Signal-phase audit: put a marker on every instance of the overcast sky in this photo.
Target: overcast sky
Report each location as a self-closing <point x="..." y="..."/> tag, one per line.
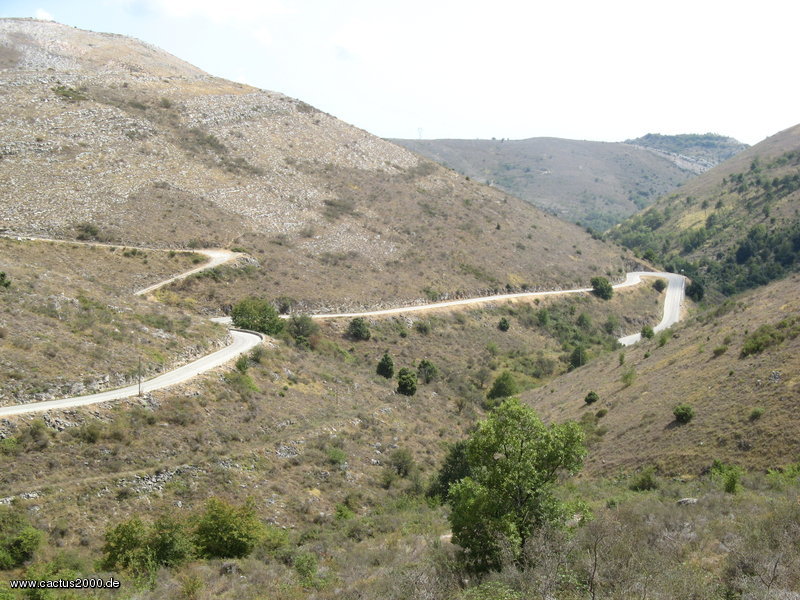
<point x="580" y="69"/>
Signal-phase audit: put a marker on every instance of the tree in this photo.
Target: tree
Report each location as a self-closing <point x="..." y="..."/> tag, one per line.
<point x="427" y="371"/>
<point x="302" y="328"/>
<point x="386" y="366"/>
<point x="257" y="314"/>
<point x="227" y="531"/>
<point x="19" y="540"/>
<point x="504" y="386"/>
<point x="514" y="461"/>
<point x="683" y="413"/>
<point x="591" y="398"/>
<point x="601" y="288"/>
<point x="454" y="468"/>
<point x="659" y="285"/>
<point x="647" y="332"/>
<point x="406" y="382"/>
<point x="4" y="281"/>
<point x="359" y="329"/>
<point x="503" y="325"/>
<point x="695" y="291"/>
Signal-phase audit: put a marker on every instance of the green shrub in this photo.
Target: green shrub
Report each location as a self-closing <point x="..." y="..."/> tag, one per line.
<point x="591" y="398"/>
<point x="227" y="531"/>
<point x="19" y="540"/>
<point x="407" y="382"/>
<point x="756" y="413"/>
<point x="683" y="413"/>
<point x="647" y="332"/>
<point x="644" y="481"/>
<point x="402" y="462"/>
<point x="5" y="282"/>
<point x="337" y="456"/>
<point x="359" y="329"/>
<point x="257" y="314"/>
<point x="303" y="330"/>
<point x="427" y="371"/>
<point x="385" y="366"/>
<point x="504" y="386"/>
<point x="720" y="350"/>
<point x="242" y="364"/>
<point x="628" y="376"/>
<point x="503" y="325"/>
<point x="602" y="288"/>
<point x="659" y="285"/>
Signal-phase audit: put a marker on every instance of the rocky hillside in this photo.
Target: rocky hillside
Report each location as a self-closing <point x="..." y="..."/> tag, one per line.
<point x="105" y="137"/>
<point x="734" y="227"/>
<point x="597" y="184"/>
<point x="694" y="152"/>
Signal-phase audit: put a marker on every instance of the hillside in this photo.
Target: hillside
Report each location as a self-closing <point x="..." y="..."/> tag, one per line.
<point x="105" y="137"/>
<point x="597" y="184"/>
<point x="733" y="227"/>
<point x="695" y="152"/>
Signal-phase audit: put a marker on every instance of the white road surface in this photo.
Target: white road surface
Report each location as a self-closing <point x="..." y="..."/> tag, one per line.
<point x="245" y="340"/>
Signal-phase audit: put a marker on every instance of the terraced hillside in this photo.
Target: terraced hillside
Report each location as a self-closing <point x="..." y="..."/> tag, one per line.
<point x="104" y="137"/>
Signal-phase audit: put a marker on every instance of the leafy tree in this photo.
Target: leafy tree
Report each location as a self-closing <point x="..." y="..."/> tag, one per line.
<point x="169" y="541"/>
<point x="601" y="288"/>
<point x="402" y="462"/>
<point x="302" y="328"/>
<point x="504" y="386"/>
<point x="359" y="329"/>
<point x="18" y="538"/>
<point x="515" y="461"/>
<point x="659" y="285"/>
<point x="591" y="398"/>
<point x="647" y="332"/>
<point x="407" y="382"/>
<point x="257" y="314"/>
<point x="227" y="531"/>
<point x="503" y="325"/>
<point x="125" y="546"/>
<point x="427" y="371"/>
<point x="4" y="281"/>
<point x="386" y="366"/>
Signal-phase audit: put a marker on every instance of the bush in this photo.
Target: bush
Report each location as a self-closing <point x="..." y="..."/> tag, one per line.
<point x="579" y="357"/>
<point x="385" y="366"/>
<point x="644" y="481"/>
<point x="19" y="540"/>
<point x="427" y="371"/>
<point x="601" y="288"/>
<point x="591" y="398"/>
<point x="504" y="386"/>
<point x="695" y="291"/>
<point x="257" y="314"/>
<point x="647" y="332"/>
<point x="720" y="350"/>
<point x="406" y="382"/>
<point x="4" y="281"/>
<point x="227" y="531"/>
<point x="402" y="462"/>
<point x="503" y="325"/>
<point x="359" y="329"/>
<point x="683" y="413"/>
<point x="628" y="376"/>
<point x="659" y="285"/>
<point x="756" y="413"/>
<point x="302" y="328"/>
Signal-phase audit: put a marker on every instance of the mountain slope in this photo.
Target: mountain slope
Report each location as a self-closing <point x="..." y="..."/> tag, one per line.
<point x="735" y="226"/>
<point x="594" y="183"/>
<point x="105" y="137"/>
<point x="744" y="393"/>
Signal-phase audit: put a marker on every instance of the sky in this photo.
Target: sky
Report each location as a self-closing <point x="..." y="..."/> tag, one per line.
<point x="605" y="70"/>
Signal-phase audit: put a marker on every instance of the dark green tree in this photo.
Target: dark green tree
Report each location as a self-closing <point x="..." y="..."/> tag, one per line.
<point x="359" y="329"/>
<point x="454" y="468"/>
<point x="591" y="398"/>
<point x="659" y="285"/>
<point x="427" y="371"/>
<point x="695" y="291"/>
<point x="504" y="386"/>
<point x="503" y="325"/>
<point x="18" y="538"/>
<point x="579" y="357"/>
<point x="515" y="461"/>
<point x="601" y="288"/>
<point x="386" y="366"/>
<point x="4" y="281"/>
<point x="257" y="314"/>
<point x="407" y="382"/>
<point x="683" y="413"/>
<point x="302" y="328"/>
<point x="647" y="332"/>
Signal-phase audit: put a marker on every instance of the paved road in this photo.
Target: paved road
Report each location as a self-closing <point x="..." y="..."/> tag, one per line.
<point x="242" y="342"/>
<point x="245" y="340"/>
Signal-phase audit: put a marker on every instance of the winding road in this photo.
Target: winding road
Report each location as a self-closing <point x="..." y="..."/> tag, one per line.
<point x="243" y="341"/>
